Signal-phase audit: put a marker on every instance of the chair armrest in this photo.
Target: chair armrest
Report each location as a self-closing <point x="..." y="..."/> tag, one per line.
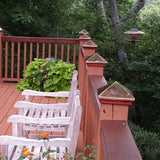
<point x="49" y="94"/>
<point x="20" y="141"/>
<point x="24" y="119"/>
<point x="26" y="104"/>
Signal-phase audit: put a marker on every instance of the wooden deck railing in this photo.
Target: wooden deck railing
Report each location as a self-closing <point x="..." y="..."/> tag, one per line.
<point x="17" y="52"/>
<point x="100" y="112"/>
<point x="105" y="115"/>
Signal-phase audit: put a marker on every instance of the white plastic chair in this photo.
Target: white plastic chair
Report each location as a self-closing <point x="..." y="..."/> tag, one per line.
<point x="31" y="115"/>
<point x="11" y="147"/>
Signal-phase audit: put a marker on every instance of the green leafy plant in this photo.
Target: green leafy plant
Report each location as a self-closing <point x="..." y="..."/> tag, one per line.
<point x="47" y="75"/>
<point x="91" y="150"/>
<point x="148" y="142"/>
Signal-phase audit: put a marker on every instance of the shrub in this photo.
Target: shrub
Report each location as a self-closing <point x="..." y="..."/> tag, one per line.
<point x="148" y="142"/>
<point x="47" y="75"/>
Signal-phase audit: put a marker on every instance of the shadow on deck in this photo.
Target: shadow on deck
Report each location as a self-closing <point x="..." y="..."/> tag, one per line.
<point x="9" y="96"/>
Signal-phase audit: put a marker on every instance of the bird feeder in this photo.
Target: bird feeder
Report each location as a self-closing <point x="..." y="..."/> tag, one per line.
<point x="134" y="33"/>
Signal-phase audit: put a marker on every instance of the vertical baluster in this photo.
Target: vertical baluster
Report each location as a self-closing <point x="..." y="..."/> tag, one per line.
<point x="49" y="50"/>
<point x="43" y="51"/>
<point x="74" y="54"/>
<point x="31" y="44"/>
<point x="62" y="51"/>
<point x="18" y="61"/>
<point x="6" y="59"/>
<point x="55" y="52"/>
<point x="25" y="50"/>
<point x="68" y="49"/>
<point x="37" y="55"/>
<point x="1" y="31"/>
<point x="12" y="60"/>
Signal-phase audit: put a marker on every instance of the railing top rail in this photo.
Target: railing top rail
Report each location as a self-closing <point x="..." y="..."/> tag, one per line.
<point x="40" y="39"/>
<point x="117" y="138"/>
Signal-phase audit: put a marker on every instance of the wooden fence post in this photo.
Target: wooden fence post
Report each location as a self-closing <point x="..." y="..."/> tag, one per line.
<point x="94" y="65"/>
<point x="1" y="32"/>
<point x="115" y="101"/>
<point x="81" y="70"/>
<point x="114" y="104"/>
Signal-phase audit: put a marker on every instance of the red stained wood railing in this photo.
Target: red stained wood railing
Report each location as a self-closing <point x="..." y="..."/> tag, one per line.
<point x="6" y="59"/>
<point x="107" y="133"/>
<point x="12" y="60"/>
<point x="16" y="52"/>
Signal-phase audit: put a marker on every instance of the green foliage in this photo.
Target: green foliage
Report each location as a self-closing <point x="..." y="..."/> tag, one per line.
<point x="143" y="75"/>
<point x="91" y="150"/>
<point x="142" y="72"/>
<point x="47" y="75"/>
<point x="148" y="142"/>
<point x="33" y="17"/>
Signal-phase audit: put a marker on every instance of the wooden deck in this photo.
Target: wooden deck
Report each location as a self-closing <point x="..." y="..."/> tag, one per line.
<point x="9" y="96"/>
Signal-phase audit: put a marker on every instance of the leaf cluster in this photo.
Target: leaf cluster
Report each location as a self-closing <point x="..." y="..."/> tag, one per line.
<point x="148" y="142"/>
<point x="47" y="75"/>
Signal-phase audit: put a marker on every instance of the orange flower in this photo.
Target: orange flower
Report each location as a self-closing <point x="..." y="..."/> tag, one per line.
<point x="27" y="153"/>
<point x="93" y="156"/>
<point x="44" y="76"/>
<point x="65" y="156"/>
<point x="25" y="149"/>
<point x="44" y="85"/>
<point x="44" y="135"/>
<point x="41" y="71"/>
<point x="48" y="156"/>
<point x="47" y="68"/>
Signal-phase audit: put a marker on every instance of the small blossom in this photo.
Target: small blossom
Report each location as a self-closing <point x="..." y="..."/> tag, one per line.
<point x="44" y="64"/>
<point x="93" y="156"/>
<point x="41" y="71"/>
<point x="65" y="156"/>
<point x="29" y="75"/>
<point x="44" y="85"/>
<point x="44" y="135"/>
<point x="44" y="76"/>
<point x="33" y="81"/>
<point x="48" y="156"/>
<point x="27" y="153"/>
<point x="47" y="68"/>
<point x="33" y="73"/>
<point x="25" y="149"/>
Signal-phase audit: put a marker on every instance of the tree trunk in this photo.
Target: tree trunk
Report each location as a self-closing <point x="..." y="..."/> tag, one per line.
<point x="116" y="23"/>
<point x="137" y="6"/>
<point x="113" y="14"/>
<point x="100" y="7"/>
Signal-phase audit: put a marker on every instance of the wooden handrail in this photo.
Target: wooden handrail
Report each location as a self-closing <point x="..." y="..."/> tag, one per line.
<point x="117" y="138"/>
<point x="40" y="39"/>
